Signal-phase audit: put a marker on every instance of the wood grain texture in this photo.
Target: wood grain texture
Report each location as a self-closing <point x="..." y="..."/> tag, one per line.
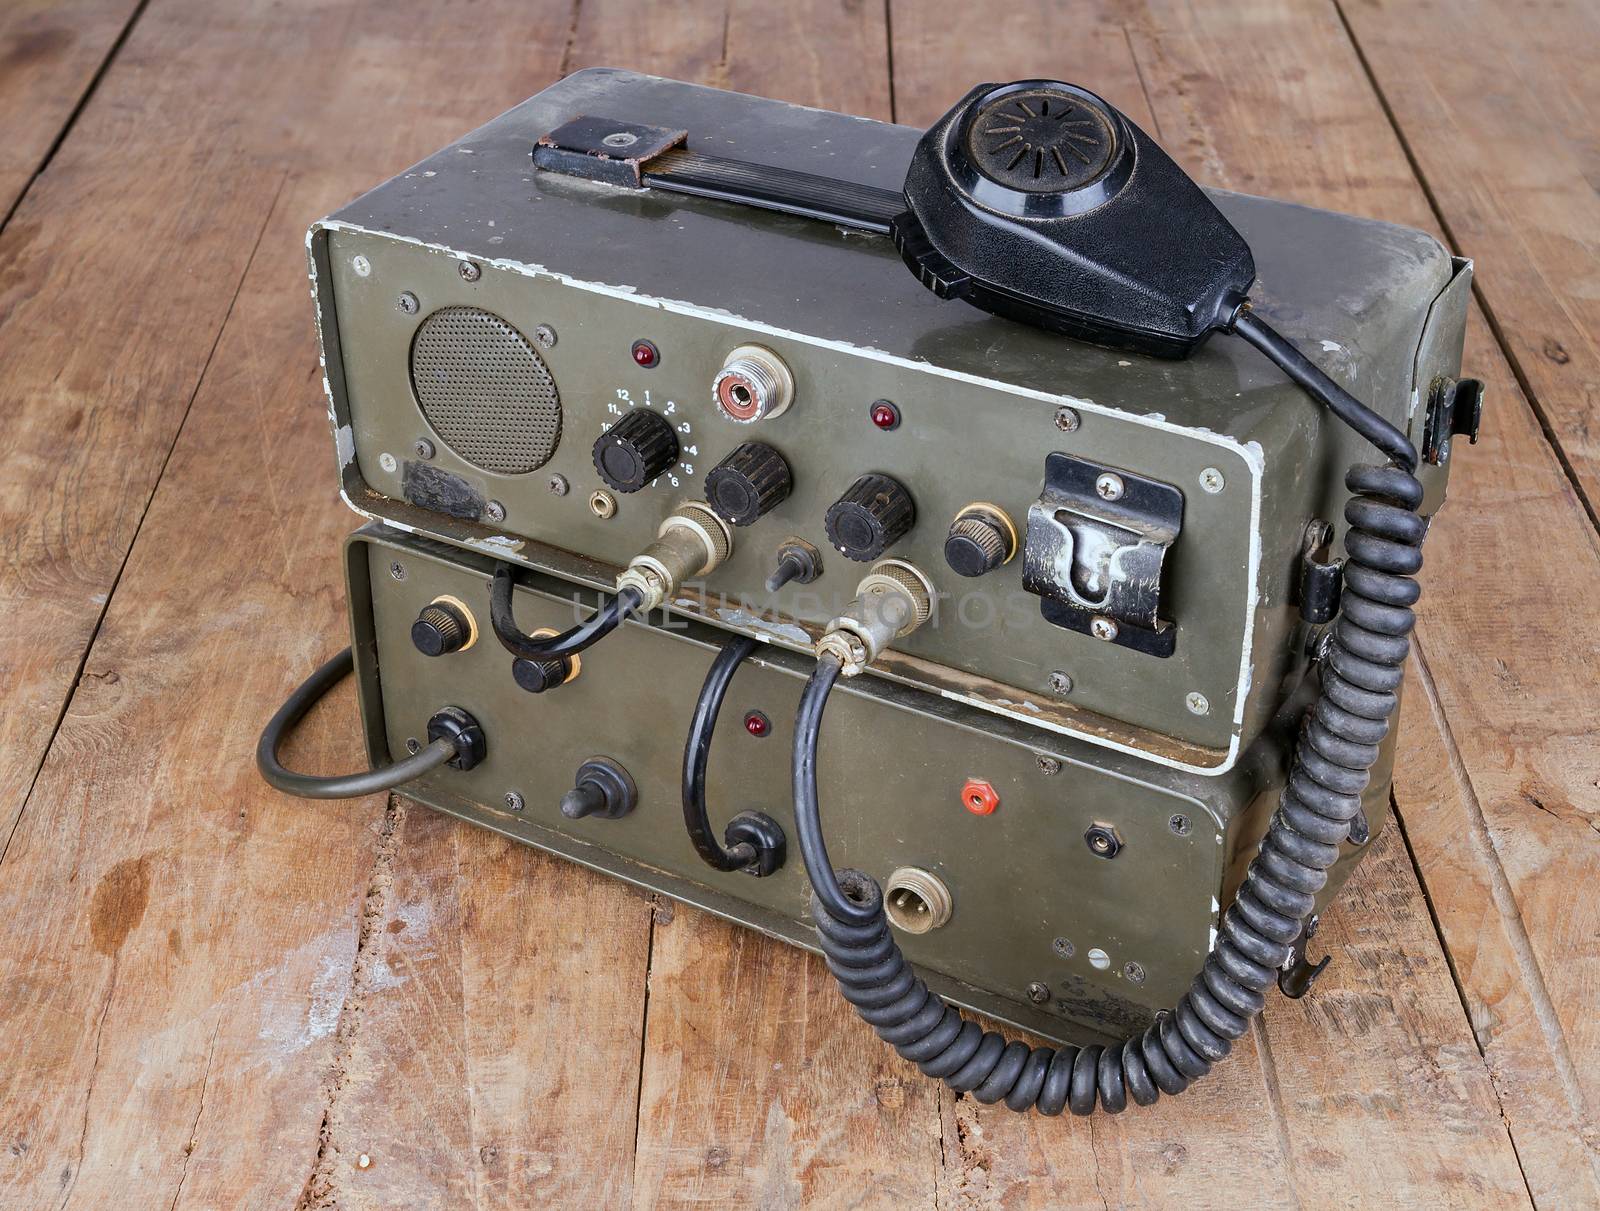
<point x="50" y="52"/>
<point x="1500" y="120"/>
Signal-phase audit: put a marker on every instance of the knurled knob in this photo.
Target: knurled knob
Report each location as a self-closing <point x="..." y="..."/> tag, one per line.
<point x="635" y="450"/>
<point x="978" y="542"/>
<point x="873" y="514"/>
<point x="439" y="629"/>
<point x="751" y="481"/>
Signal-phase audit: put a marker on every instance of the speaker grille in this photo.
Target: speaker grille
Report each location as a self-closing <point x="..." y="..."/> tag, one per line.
<point x="485" y="390"/>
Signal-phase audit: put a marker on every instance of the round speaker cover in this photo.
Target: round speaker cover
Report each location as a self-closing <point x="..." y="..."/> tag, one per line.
<point x="485" y="390"/>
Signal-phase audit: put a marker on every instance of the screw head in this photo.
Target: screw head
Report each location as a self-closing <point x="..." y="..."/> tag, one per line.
<point x="558" y="485"/>
<point x="1196" y="702"/>
<point x="407" y="302"/>
<point x="1179" y="824"/>
<point x="1063" y="947"/>
<point x="1102" y="627"/>
<point x="361" y="265"/>
<point x="494" y="511"/>
<point x="1133" y="972"/>
<point x="1060" y="683"/>
<point x="397" y="570"/>
<point x="1038" y="993"/>
<point x="424" y="448"/>
<point x="621" y="138"/>
<point x="544" y="336"/>
<point x="1211" y="480"/>
<point x="1049" y="766"/>
<point x="388" y="462"/>
<point x="1067" y="420"/>
<point x="413" y="745"/>
<point x="469" y="271"/>
<point x="514" y="801"/>
<point x="1108" y="486"/>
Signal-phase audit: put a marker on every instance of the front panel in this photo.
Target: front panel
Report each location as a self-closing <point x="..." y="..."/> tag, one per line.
<point x="1109" y="939"/>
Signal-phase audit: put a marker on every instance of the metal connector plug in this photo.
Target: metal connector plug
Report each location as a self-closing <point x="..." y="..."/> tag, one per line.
<point x="893" y="599"/>
<point x="690" y="543"/>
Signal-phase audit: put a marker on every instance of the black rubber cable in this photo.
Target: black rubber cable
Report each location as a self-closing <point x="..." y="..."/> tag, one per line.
<point x="1315" y="382"/>
<point x="1361" y="673"/>
<point x="570" y="642"/>
<point x="336" y="786"/>
<point x="697" y="756"/>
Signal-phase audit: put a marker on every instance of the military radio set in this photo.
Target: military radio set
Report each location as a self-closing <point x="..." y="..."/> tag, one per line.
<point x="1056" y="646"/>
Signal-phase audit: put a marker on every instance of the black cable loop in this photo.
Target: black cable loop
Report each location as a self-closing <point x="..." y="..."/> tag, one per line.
<point x="740" y="855"/>
<point x="571" y="641"/>
<point x="1361" y="672"/>
<point x="337" y="786"/>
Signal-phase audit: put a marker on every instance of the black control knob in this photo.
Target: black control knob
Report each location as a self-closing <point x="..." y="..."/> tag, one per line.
<point x="979" y="541"/>
<point x="602" y="788"/>
<point x="537" y="676"/>
<point x="439" y="629"/>
<point x="751" y="481"/>
<point x="635" y="450"/>
<point x="874" y="513"/>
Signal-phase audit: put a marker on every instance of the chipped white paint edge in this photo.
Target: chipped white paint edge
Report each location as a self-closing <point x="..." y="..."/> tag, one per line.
<point x="1249" y="452"/>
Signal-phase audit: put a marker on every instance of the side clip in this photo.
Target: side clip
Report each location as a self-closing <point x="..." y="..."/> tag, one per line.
<point x="1097" y="539"/>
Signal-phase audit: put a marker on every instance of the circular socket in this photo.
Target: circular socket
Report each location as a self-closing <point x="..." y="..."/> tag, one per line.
<point x="917" y="901"/>
<point x="753" y="384"/>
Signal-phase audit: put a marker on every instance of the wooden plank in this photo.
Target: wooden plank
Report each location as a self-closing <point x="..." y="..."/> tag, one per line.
<point x="1314" y="1106"/>
<point x="1310" y="132"/>
<point x="50" y="53"/>
<point x="1500" y="118"/>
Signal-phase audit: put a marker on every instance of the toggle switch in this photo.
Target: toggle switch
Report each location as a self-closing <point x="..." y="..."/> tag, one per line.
<point x="602" y="788"/>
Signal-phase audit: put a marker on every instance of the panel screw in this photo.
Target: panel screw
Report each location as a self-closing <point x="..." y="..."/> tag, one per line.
<point x="1060" y="683"/>
<point x="1067" y="420"/>
<point x="413" y="745"/>
<point x="514" y="801"/>
<point x="1179" y="824"/>
<point x="1049" y="765"/>
<point x="387" y="462"/>
<point x="468" y="271"/>
<point x="1134" y="972"/>
<point x="1196" y="702"/>
<point x="407" y="302"/>
<point x="1211" y="480"/>
<point x="424" y="448"/>
<point x="558" y="485"/>
<point x="1102" y="627"/>
<point x="1038" y="993"/>
<point x="620" y="138"/>
<point x="1063" y="947"/>
<point x="545" y="336"/>
<point x="361" y="265"/>
<point x="1108" y="486"/>
<point x="397" y="570"/>
<point x="494" y="511"/>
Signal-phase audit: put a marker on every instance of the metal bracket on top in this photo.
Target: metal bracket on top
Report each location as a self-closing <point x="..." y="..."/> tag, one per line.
<point x="1097" y="539"/>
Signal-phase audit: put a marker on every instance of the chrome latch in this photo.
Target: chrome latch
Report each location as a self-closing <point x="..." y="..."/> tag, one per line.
<point x="1097" y="538"/>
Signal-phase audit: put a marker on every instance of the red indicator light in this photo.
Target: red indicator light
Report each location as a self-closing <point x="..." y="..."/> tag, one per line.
<point x="885" y="415"/>
<point x="645" y="354"/>
<point x="757" y="724"/>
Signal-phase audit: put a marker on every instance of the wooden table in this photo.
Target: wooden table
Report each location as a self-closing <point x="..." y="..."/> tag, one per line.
<point x="214" y="996"/>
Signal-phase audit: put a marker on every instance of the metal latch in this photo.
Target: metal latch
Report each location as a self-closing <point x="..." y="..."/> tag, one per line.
<point x="1097" y="539"/>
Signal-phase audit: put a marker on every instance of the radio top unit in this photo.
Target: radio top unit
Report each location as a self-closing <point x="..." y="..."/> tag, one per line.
<point x="653" y="338"/>
<point x="527" y="357"/>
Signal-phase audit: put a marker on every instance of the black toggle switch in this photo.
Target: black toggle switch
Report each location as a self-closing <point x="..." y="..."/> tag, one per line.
<point x="602" y="788"/>
<point x="440" y="628"/>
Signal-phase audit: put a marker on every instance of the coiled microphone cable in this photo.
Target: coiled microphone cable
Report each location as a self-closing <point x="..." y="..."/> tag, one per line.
<point x="1362" y="668"/>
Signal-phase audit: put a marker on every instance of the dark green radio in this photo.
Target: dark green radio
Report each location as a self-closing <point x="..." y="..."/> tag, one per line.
<point x="660" y="444"/>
